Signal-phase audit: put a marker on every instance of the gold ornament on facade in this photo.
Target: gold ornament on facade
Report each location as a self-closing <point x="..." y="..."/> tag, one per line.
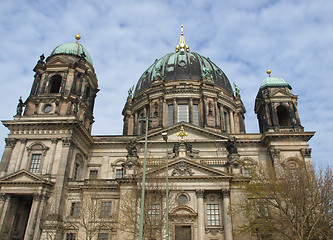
<point x="182" y="134"/>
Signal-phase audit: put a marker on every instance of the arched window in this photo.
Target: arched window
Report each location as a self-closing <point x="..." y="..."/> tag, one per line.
<point x="55" y="83"/>
<point x="283" y="115"/>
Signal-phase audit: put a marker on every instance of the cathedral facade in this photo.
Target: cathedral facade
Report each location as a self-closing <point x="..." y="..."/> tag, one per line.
<point x="183" y="125"/>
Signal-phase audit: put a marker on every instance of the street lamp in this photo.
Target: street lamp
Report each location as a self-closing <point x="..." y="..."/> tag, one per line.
<point x="165" y="138"/>
<point x="147" y="119"/>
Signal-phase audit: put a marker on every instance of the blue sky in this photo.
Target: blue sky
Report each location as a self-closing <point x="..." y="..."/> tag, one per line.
<point x="244" y="38"/>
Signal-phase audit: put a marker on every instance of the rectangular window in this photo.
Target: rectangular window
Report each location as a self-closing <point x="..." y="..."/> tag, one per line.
<point x="213" y="215"/>
<point x="103" y="236"/>
<point x="70" y="236"/>
<point x="105" y="209"/>
<point x="119" y="173"/>
<point x="93" y="174"/>
<point x="35" y="163"/>
<point x="154" y="214"/>
<point x="170" y="114"/>
<point x="183" y="112"/>
<point x="195" y="114"/>
<point x="75" y="209"/>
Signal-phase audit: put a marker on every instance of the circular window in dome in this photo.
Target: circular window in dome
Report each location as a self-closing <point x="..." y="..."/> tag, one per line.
<point x="182" y="63"/>
<point x="182" y="199"/>
<point x="47" y="108"/>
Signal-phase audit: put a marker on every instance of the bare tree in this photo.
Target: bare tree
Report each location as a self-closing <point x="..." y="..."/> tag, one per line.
<point x="89" y="217"/>
<point x="154" y="206"/>
<point x="294" y="203"/>
<point x="94" y="217"/>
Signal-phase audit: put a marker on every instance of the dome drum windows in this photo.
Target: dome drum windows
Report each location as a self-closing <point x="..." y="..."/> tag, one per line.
<point x="185" y="111"/>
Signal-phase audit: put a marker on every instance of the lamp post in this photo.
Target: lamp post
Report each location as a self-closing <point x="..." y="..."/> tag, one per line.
<point x="165" y="138"/>
<point x="147" y="119"/>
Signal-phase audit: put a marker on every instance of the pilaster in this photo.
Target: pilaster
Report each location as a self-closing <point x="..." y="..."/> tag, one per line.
<point x="10" y="144"/>
<point x="226" y="216"/>
<point x="201" y="214"/>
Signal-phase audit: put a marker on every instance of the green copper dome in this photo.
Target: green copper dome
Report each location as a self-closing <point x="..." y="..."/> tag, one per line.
<point x="72" y="49"/>
<point x="180" y="66"/>
<point x="274" y="82"/>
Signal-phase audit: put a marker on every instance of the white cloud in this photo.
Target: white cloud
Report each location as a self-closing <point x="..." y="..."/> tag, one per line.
<point x="244" y="38"/>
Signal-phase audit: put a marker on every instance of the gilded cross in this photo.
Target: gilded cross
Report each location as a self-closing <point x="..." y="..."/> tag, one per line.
<point x="182" y="134"/>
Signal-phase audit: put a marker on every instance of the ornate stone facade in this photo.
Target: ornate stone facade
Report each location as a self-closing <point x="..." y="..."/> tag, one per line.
<point x="51" y="162"/>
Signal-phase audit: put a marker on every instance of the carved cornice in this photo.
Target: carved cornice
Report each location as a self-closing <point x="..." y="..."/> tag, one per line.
<point x="200" y="193"/>
<point x="214" y="231"/>
<point x="226" y="193"/>
<point x="67" y="142"/>
<point x="306" y="152"/>
<point x="274" y="153"/>
<point x="10" y="142"/>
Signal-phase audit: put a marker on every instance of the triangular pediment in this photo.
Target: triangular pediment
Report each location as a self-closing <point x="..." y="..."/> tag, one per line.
<point x="187" y="169"/>
<point x="23" y="177"/>
<point x="281" y="93"/>
<point x="194" y="134"/>
<point x="57" y="61"/>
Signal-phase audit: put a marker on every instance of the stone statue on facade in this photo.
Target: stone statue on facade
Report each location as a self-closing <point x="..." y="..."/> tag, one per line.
<point x="231" y="146"/>
<point x="19" y="108"/>
<point x="131" y="149"/>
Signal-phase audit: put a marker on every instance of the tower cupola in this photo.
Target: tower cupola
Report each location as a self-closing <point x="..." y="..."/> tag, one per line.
<point x="64" y="85"/>
<point x="276" y="106"/>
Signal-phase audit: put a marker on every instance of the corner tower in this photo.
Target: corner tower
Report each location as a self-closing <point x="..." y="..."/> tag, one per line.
<point x="276" y="106"/>
<point x="64" y="85"/>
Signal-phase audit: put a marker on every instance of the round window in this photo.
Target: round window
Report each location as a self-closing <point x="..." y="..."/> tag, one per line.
<point x="182" y="199"/>
<point x="47" y="108"/>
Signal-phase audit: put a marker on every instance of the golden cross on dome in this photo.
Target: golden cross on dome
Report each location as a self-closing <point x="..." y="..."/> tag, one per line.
<point x="182" y="46"/>
<point x="182" y="134"/>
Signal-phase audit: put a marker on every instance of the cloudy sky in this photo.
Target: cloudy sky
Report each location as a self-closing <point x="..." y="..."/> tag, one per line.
<point x="124" y="37"/>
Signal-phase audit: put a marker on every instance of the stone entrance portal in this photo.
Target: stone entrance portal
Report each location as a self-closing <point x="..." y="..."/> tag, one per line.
<point x="17" y="217"/>
<point x="183" y="233"/>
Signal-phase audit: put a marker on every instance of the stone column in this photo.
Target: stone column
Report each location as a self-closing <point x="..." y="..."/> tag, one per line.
<point x="204" y="111"/>
<point x="4" y="208"/>
<point x="232" y="123"/>
<point x="175" y="111"/>
<point x="10" y="144"/>
<point x="222" y="118"/>
<point x="62" y="175"/>
<point x="190" y="110"/>
<point x="226" y="216"/>
<point x="201" y="214"/>
<point x="6" y="204"/>
<point x="51" y="159"/>
<point x="160" y="111"/>
<point x="216" y="113"/>
<point x="19" y="159"/>
<point x="39" y="216"/>
<point x="135" y="123"/>
<point x="31" y="225"/>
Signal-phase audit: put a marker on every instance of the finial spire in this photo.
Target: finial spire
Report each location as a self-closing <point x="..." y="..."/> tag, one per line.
<point x="77" y="37"/>
<point x="182" y="45"/>
<point x="269" y="72"/>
